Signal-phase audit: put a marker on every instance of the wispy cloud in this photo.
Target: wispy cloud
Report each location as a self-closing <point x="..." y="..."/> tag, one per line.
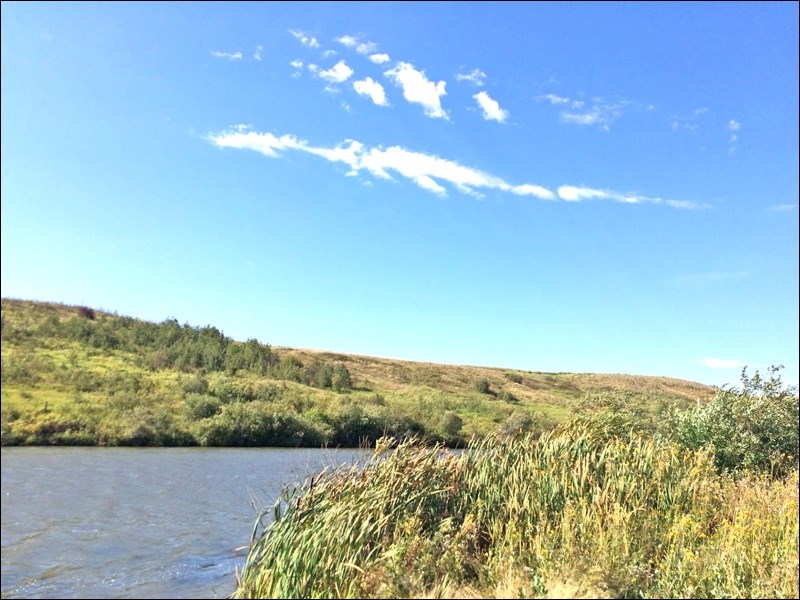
<point x="783" y="207"/>
<point x="598" y="111"/>
<point x="427" y="171"/>
<point x="689" y="123"/>
<point x="576" y="194"/>
<point x="475" y="77"/>
<point x="227" y="55"/>
<point x="417" y="88"/>
<point x="554" y="99"/>
<point x="491" y="108"/>
<point x="733" y="126"/>
<point x="298" y="66"/>
<point x="372" y="89"/>
<point x="570" y="193"/>
<point x="601" y="113"/>
<point x="379" y="59"/>
<point x="723" y="363"/>
<point x="257" y="54"/>
<point x="305" y="38"/>
<point x="338" y="73"/>
<point x="359" y="46"/>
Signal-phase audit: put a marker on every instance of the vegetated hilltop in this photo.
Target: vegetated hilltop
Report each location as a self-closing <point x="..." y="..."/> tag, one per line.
<point x="75" y="375"/>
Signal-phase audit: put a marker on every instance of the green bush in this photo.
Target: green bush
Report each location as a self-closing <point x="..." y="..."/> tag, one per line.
<point x="754" y="428"/>
<point x="200" y="406"/>
<point x="341" y="381"/>
<point x="482" y="385"/>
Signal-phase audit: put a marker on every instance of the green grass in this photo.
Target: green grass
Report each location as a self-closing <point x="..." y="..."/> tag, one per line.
<point x="112" y="380"/>
<point x="577" y="513"/>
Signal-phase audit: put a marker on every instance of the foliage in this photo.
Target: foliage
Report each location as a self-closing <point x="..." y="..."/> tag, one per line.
<point x="115" y="380"/>
<point x="613" y="517"/>
<point x="482" y="385"/>
<point x="752" y="428"/>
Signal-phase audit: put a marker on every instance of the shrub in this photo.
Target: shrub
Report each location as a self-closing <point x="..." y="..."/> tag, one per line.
<point x="482" y="385"/>
<point x="515" y="377"/>
<point x="341" y="381"/>
<point x="507" y="396"/>
<point x="200" y="406"/>
<point x="86" y="312"/>
<point x="753" y="428"/>
<point x="519" y="422"/>
<point x="195" y="384"/>
<point x="451" y="425"/>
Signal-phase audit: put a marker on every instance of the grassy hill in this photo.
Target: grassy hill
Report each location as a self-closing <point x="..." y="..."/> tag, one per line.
<point x="75" y="375"/>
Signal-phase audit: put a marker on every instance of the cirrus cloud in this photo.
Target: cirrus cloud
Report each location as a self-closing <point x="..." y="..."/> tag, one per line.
<point x="429" y="172"/>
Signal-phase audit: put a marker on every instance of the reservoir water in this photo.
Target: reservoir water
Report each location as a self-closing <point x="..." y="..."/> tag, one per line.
<point x="139" y="522"/>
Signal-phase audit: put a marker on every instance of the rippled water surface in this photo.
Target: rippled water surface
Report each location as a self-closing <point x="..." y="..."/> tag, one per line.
<point x="138" y="523"/>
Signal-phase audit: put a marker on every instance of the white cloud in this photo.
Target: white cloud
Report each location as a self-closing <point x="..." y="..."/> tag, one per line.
<point x="347" y="40"/>
<point x="428" y="171"/>
<point x="533" y="190"/>
<point x="339" y="73"/>
<point x="576" y="194"/>
<point x="782" y="207"/>
<point x="329" y="53"/>
<point x="366" y="47"/>
<point x="571" y="193"/>
<point x="553" y="99"/>
<point x="353" y="42"/>
<point x="589" y="118"/>
<point x="373" y="89"/>
<point x="476" y="77"/>
<point x="491" y="108"/>
<point x="686" y="204"/>
<point x="734" y="125"/>
<point x="734" y="137"/>
<point x="305" y="39"/>
<point x="379" y="59"/>
<point x="417" y="88"/>
<point x="690" y="123"/>
<point x="602" y="113"/>
<point x="226" y="55"/>
<point x="257" y="54"/>
<point x="298" y="66"/>
<point x="723" y="363"/>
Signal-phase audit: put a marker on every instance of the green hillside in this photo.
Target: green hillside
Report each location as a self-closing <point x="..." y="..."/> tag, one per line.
<point x="75" y="375"/>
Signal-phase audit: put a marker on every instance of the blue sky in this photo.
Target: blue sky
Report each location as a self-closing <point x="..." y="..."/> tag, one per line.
<point x="554" y="187"/>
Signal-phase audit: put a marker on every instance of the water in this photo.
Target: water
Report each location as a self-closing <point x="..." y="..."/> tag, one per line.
<point x="138" y="523"/>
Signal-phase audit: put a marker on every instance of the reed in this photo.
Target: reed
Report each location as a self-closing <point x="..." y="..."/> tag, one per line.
<point x="572" y="510"/>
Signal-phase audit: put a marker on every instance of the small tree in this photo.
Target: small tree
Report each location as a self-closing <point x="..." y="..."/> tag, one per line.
<point x="341" y="380"/>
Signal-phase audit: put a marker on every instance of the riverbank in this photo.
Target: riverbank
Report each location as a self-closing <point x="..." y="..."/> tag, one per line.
<point x="576" y="513"/>
<point x="73" y="375"/>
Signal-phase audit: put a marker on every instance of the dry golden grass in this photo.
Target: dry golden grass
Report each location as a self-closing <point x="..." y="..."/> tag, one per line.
<point x="536" y="387"/>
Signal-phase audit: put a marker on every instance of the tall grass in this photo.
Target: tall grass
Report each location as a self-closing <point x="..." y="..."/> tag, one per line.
<point x="573" y="510"/>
